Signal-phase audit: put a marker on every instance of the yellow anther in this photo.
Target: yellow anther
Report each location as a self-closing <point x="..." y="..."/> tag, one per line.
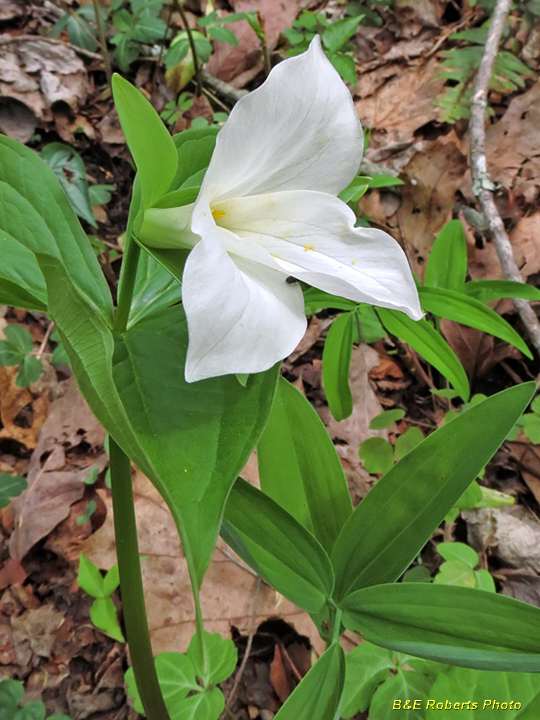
<point x="309" y="247"/>
<point x="218" y="214"/>
<point x="353" y="262"/>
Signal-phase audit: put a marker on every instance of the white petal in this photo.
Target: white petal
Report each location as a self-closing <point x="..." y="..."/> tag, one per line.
<point x="312" y="236"/>
<point x="242" y="318"/>
<point x="298" y="131"/>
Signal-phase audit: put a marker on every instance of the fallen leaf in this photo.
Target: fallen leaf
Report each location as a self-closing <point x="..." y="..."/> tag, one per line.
<point x="227" y="590"/>
<point x="404" y="103"/>
<point x="14" y="401"/>
<point x="57" y="468"/>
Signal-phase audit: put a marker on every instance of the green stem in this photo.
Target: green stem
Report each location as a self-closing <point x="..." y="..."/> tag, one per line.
<point x="131" y="585"/>
<point x="335" y="624"/>
<point x="127" y="282"/>
<point x="103" y="42"/>
<point x="198" y="78"/>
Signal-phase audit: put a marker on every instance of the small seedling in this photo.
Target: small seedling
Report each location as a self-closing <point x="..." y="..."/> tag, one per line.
<point x="103" y="611"/>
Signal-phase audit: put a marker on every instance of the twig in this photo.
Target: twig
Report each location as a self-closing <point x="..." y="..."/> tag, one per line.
<point x="45" y="340"/>
<point x="227" y="92"/>
<point x="482" y="185"/>
<point x="198" y="79"/>
<point x="8" y="40"/>
<point x="252" y="627"/>
<point x="103" y="42"/>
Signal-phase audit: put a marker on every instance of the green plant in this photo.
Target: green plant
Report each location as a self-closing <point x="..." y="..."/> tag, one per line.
<point x="136" y="23"/>
<point x="335" y="38"/>
<point x="460" y="67"/>
<point x="11" y="486"/>
<point x="103" y="611"/>
<point x="187" y="391"/>
<point x="18" y="349"/>
<point x="11" y="707"/>
<point x="80" y="26"/>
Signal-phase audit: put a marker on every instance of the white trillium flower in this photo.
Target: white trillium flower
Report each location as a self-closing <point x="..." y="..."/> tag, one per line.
<point x="267" y="210"/>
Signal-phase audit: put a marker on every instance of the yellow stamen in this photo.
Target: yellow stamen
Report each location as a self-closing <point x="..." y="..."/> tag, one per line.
<point x="353" y="262"/>
<point x="309" y="247"/>
<point x="218" y="214"/>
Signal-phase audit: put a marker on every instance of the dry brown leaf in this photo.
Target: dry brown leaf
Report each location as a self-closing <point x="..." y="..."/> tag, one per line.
<point x="513" y="145"/>
<point x="240" y="64"/>
<point x="13" y="403"/>
<point x="403" y="103"/>
<point x="57" y="468"/>
<point x="227" y="591"/>
<point x="434" y="175"/>
<point x="38" y="74"/>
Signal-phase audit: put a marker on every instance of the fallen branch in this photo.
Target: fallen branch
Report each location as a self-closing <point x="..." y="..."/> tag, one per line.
<point x="482" y="185"/>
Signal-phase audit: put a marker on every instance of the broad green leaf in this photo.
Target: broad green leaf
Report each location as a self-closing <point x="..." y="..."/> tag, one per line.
<point x="299" y="466"/>
<point x="383" y="181"/>
<point x="398" y="695"/>
<point x="196" y="448"/>
<point x="455" y="625"/>
<point x="486" y="290"/>
<point x="111" y="581"/>
<point x="103" y="615"/>
<point x="149" y="409"/>
<point x="21" y="337"/>
<point x="222" y="34"/>
<point x="317" y="300"/>
<point x="194" y="149"/>
<point x="319" y="695"/>
<point x="29" y="371"/>
<point x="455" y="572"/>
<point x="386" y="419"/>
<point x="427" y="342"/>
<point x="472" y="693"/>
<point x="154" y="289"/>
<point x="399" y="514"/>
<point x="221" y="654"/>
<point x="36" y="216"/>
<point x="338" y="32"/>
<point x="34" y="710"/>
<point x="90" y="578"/>
<point x="371" y="329"/>
<point x="484" y="580"/>
<point x="346" y="66"/>
<point x="337" y="355"/>
<point x="269" y="533"/>
<point x="410" y="439"/>
<point x="447" y="263"/>
<point x="68" y="166"/>
<point x="464" y="309"/>
<point x="10" y="354"/>
<point x="11" y="695"/>
<point x="377" y="454"/>
<point x="150" y="144"/>
<point x="10" y="486"/>
<point x="365" y="667"/>
<point x="458" y="551"/>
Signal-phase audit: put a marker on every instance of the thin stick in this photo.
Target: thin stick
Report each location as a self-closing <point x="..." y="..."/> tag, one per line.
<point x="198" y="79"/>
<point x="21" y="39"/>
<point x="229" y="93"/>
<point x="103" y="42"/>
<point x="45" y="340"/>
<point x="252" y="627"/>
<point x="482" y="185"/>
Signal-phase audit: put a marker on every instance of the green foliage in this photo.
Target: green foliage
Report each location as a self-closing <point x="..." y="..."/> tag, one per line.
<point x="11" y="486"/>
<point x="103" y="611"/>
<point x="459" y="567"/>
<point x="529" y="423"/>
<point x="179" y="675"/>
<point x="136" y="24"/>
<point x="335" y="38"/>
<point x="80" y="26"/>
<point x="17" y="350"/>
<point x="460" y="67"/>
<point x="11" y="707"/>
<point x="337" y="356"/>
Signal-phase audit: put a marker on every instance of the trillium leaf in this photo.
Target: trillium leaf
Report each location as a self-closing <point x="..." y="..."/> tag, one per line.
<point x="447" y="263"/>
<point x="456" y="625"/>
<point x="427" y="342"/>
<point x="299" y="467"/>
<point x="397" y="517"/>
<point x="367" y="665"/>
<point x="150" y="144"/>
<point x="155" y="289"/>
<point x="319" y="694"/>
<point x="35" y="217"/>
<point x="486" y="290"/>
<point x="221" y="655"/>
<point x="460" y="308"/>
<point x="254" y="522"/>
<point x="337" y="356"/>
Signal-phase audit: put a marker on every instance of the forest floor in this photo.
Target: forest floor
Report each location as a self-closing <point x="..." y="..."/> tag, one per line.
<point x="52" y="92"/>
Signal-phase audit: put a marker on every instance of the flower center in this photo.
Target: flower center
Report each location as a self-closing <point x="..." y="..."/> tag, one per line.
<point x="218" y="214"/>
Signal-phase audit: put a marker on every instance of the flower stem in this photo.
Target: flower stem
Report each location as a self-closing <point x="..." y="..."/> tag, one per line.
<point x="131" y="586"/>
<point x="102" y="42"/>
<point x="127" y="282"/>
<point x="198" y="78"/>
